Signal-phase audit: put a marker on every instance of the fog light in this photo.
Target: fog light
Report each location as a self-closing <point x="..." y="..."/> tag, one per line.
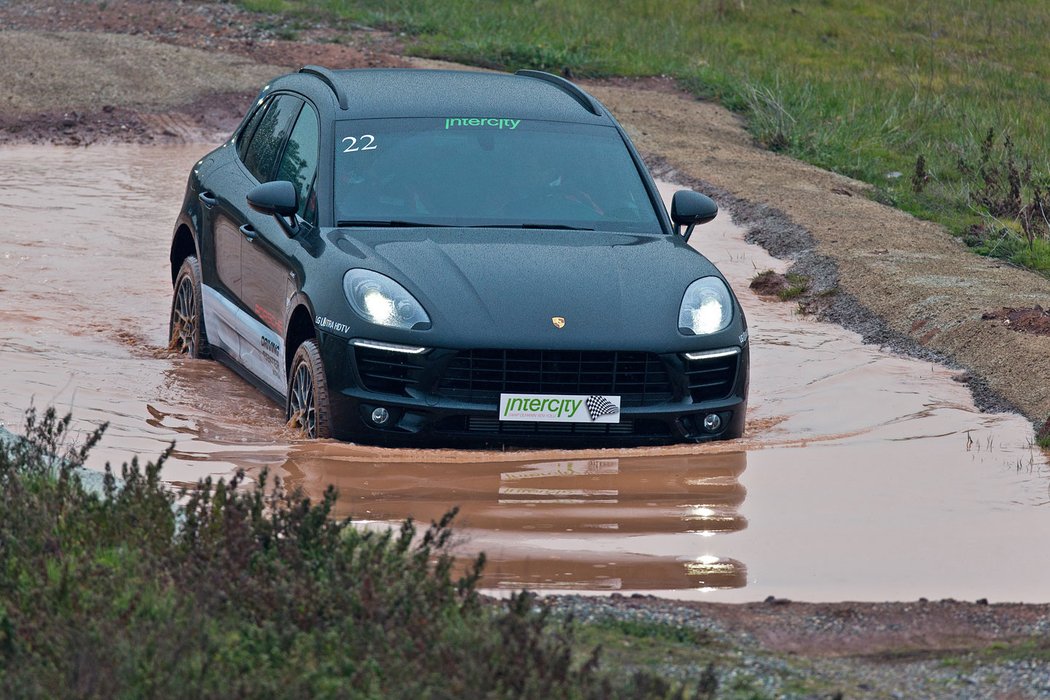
<point x="380" y="416"/>
<point x="712" y="422"/>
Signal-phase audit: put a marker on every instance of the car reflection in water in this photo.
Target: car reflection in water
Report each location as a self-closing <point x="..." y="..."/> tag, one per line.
<point x="629" y="523"/>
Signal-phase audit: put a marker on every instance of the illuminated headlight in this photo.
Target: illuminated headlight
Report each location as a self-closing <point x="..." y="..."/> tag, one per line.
<point x="706" y="307"/>
<point x="381" y="300"/>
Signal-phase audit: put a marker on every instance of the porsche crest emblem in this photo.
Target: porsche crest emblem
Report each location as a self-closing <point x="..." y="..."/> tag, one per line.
<point x="558" y="321"/>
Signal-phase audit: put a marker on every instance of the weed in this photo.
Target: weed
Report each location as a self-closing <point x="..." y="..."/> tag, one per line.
<point x="798" y="285"/>
<point x="1042" y="437"/>
<point x="650" y="630"/>
<point x="786" y="287"/>
<point x="771" y="122"/>
<point x="920" y="177"/>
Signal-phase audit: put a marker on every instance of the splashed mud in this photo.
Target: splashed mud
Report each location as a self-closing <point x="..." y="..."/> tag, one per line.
<point x="863" y="476"/>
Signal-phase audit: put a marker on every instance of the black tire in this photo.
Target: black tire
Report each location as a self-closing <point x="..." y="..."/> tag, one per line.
<point x="186" y="332"/>
<point x="308" y="408"/>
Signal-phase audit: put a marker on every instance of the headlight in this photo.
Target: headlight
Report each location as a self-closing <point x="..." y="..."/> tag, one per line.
<point x="381" y="300"/>
<point x="707" y="307"/>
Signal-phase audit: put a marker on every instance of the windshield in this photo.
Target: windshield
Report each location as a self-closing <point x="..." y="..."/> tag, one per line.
<point x="482" y="171"/>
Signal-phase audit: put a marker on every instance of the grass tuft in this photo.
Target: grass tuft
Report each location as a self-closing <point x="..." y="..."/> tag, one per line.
<point x="1042" y="437"/>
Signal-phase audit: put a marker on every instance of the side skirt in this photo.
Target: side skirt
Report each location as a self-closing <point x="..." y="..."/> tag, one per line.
<point x="250" y="344"/>
<point x="226" y="359"/>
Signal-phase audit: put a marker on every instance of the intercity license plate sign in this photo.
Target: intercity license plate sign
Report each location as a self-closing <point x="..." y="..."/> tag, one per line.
<point x="559" y="408"/>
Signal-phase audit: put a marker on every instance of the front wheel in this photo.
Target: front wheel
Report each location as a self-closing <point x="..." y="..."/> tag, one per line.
<point x="186" y="332"/>
<point x="308" y="408"/>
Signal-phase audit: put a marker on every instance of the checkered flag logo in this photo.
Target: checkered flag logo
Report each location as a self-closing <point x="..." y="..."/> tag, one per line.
<point x="599" y="406"/>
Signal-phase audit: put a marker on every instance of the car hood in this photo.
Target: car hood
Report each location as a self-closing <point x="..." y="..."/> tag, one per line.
<point x="506" y="288"/>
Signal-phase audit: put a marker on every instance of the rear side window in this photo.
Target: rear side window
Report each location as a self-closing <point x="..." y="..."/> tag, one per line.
<point x="299" y="162"/>
<point x="261" y="154"/>
<point x="246" y="135"/>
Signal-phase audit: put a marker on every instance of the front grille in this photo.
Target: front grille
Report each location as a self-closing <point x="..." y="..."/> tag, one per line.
<point x="388" y="372"/>
<point x="493" y="426"/>
<point x="711" y="379"/>
<point x="480" y="376"/>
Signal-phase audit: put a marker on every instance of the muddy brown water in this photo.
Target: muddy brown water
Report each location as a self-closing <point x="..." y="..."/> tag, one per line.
<point x="864" y="476"/>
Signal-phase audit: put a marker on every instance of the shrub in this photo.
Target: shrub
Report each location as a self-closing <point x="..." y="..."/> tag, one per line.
<point x="249" y="592"/>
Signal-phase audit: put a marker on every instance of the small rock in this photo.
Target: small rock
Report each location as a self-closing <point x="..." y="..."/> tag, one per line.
<point x="982" y="601"/>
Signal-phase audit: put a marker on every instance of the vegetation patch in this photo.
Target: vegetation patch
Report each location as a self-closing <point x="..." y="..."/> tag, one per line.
<point x="784" y="287"/>
<point x="1043" y="436"/>
<point x="941" y="106"/>
<point x="230" y="591"/>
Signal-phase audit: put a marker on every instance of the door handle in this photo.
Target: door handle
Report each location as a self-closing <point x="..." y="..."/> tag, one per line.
<point x="207" y="198"/>
<point x="249" y="232"/>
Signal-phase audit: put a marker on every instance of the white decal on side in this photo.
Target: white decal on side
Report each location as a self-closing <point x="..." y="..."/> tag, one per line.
<point x="249" y="342"/>
<point x="221" y="332"/>
<point x="328" y="324"/>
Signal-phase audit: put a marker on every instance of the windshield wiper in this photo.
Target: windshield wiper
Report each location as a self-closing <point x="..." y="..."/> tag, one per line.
<point x="555" y="227"/>
<point x="390" y="224"/>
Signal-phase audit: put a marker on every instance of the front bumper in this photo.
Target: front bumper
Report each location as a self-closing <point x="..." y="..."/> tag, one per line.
<point x="450" y="397"/>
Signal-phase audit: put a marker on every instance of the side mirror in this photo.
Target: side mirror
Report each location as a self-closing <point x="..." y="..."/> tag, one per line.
<point x="278" y="198"/>
<point x="689" y="209"/>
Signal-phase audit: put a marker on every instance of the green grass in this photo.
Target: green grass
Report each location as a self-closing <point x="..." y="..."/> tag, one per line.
<point x="799" y="284"/>
<point x="861" y="88"/>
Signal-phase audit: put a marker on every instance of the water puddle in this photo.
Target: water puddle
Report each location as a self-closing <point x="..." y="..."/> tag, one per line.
<point x="863" y="476"/>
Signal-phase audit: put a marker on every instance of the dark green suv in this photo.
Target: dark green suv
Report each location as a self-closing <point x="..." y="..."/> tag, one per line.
<point x="406" y="256"/>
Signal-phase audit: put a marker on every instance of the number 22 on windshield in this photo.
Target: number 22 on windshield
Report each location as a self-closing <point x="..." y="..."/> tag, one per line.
<point x="359" y="144"/>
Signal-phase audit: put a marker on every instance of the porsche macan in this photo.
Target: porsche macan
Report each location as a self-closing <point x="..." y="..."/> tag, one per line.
<point x="441" y="257"/>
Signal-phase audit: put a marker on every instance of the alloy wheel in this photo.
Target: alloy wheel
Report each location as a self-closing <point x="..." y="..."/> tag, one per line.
<point x="185" y="322"/>
<point x="302" y="400"/>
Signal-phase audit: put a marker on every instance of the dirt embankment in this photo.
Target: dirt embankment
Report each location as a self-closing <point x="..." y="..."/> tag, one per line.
<point x="152" y="71"/>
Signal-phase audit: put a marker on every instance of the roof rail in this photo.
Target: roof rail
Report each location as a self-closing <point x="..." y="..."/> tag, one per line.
<point x="565" y="86"/>
<point x="329" y="79"/>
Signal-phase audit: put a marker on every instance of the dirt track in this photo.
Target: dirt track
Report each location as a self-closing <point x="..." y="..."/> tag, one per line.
<point x="901" y="282"/>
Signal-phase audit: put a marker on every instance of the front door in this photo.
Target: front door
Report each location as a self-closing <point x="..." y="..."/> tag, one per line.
<point x="247" y="316"/>
<point x="268" y="280"/>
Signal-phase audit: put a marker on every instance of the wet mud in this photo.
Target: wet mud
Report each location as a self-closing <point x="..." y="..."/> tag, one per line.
<point x="863" y="475"/>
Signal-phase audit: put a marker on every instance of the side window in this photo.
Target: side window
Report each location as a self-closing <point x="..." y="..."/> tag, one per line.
<point x="246" y="134"/>
<point x="299" y="162"/>
<point x="261" y="154"/>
